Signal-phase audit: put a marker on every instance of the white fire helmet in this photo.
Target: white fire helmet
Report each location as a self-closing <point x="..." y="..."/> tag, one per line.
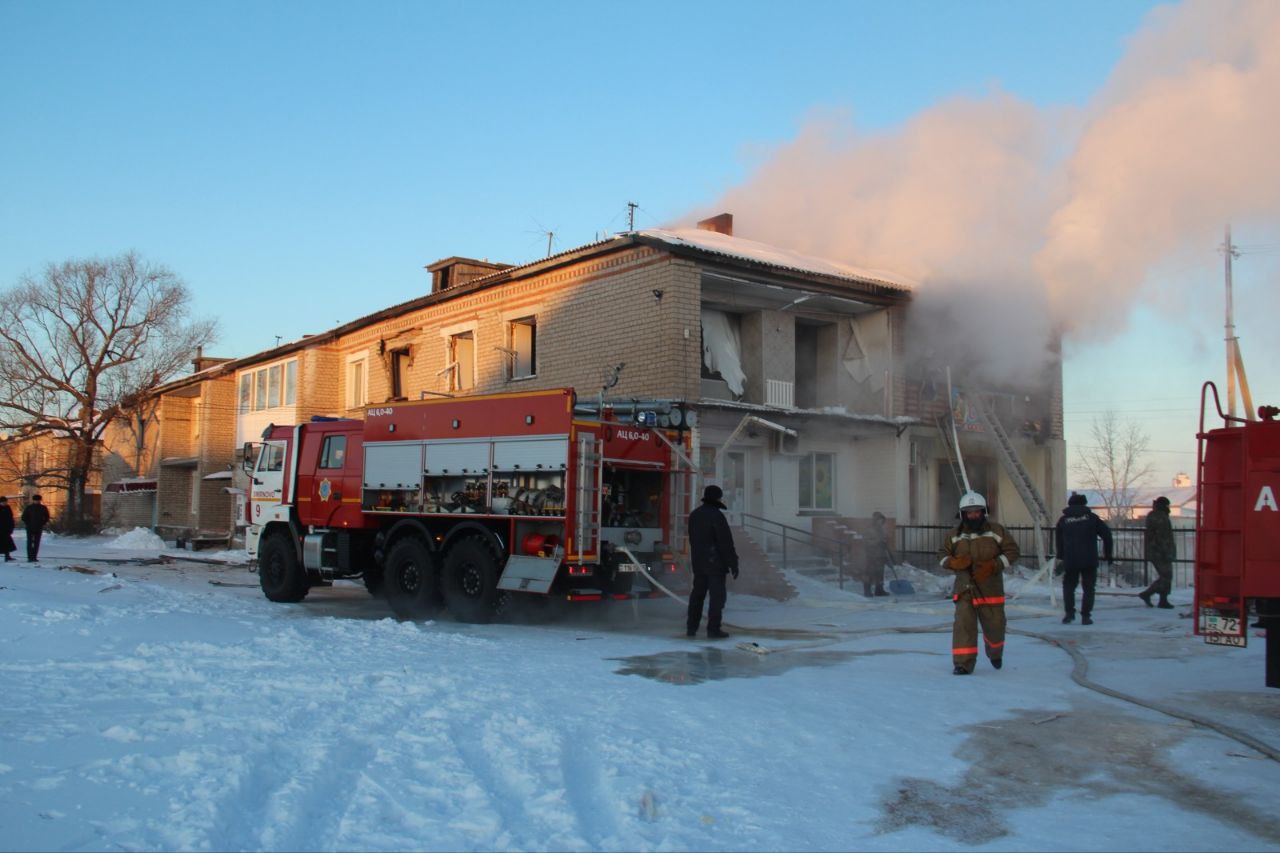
<point x="972" y="500"/>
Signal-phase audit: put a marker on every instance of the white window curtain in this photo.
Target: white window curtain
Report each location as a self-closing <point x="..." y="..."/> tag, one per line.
<point x="721" y="349"/>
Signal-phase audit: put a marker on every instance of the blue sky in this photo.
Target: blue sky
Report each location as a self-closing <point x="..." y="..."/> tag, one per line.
<point x="300" y="163"/>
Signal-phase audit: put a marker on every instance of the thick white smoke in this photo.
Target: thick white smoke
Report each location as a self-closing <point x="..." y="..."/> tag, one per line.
<point x="1017" y="220"/>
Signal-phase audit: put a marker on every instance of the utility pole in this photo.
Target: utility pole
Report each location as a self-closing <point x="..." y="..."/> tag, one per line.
<point x="550" y="235"/>
<point x="631" y="215"/>
<point x="1235" y="362"/>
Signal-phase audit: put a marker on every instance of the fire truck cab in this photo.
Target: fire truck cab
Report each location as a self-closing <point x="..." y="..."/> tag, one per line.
<point x="461" y="502"/>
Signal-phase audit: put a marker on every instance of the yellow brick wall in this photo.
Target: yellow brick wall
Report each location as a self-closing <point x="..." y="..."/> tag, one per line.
<point x="591" y="316"/>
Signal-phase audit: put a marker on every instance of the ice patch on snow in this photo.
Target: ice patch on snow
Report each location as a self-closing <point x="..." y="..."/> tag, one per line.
<point x="137" y="539"/>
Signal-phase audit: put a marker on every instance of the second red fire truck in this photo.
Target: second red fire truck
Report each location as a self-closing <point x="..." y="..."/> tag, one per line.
<point x="461" y="503"/>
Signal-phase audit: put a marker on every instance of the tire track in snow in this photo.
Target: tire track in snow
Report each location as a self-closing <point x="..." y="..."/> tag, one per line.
<point x="516" y="763"/>
<point x="587" y="790"/>
<point x="306" y="812"/>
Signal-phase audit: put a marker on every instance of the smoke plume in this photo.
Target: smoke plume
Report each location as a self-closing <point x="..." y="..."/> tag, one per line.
<point x="1016" y="221"/>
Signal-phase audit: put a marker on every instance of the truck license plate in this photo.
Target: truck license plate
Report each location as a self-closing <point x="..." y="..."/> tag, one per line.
<point x="1224" y="631"/>
<point x="628" y="567"/>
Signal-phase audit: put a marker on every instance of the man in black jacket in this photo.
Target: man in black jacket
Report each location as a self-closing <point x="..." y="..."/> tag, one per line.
<point x="34" y="518"/>
<point x="712" y="556"/>
<point x="1077" y="536"/>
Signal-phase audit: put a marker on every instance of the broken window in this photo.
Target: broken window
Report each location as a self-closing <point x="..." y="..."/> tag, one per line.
<point x="524" y="352"/>
<point x="722" y="350"/>
<point x="399" y="363"/>
<point x="462" y="358"/>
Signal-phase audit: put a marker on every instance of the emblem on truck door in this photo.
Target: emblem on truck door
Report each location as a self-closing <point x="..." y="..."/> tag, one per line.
<point x="326" y="489"/>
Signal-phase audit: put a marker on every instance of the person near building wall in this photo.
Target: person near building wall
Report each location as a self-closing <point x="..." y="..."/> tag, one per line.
<point x="1159" y="550"/>
<point x="977" y="552"/>
<point x="877" y="555"/>
<point x="1077" y="536"/>
<point x="712" y="556"/>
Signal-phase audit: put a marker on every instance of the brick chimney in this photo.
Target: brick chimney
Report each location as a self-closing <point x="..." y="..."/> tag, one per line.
<point x="721" y="224"/>
<point x="201" y="361"/>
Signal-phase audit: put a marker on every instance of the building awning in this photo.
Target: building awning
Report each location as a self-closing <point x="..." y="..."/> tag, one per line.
<point x="180" y="461"/>
<point x="217" y="475"/>
<point x="132" y="484"/>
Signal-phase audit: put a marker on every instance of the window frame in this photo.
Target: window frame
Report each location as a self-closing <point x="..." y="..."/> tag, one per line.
<point x="257" y="387"/>
<point x="333" y="444"/>
<point x="530" y="322"/>
<point x="455" y="376"/>
<point x="354" y="400"/>
<point x="808" y="502"/>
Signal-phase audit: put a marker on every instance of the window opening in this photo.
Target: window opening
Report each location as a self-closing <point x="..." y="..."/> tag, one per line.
<point x="399" y="359"/>
<point x="524" y="341"/>
<point x="817" y="481"/>
<point x="462" y="355"/>
<point x="334" y="452"/>
<point x="355" y="384"/>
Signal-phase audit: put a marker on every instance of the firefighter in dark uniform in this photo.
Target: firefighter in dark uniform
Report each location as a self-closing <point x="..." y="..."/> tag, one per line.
<point x="977" y="551"/>
<point x="1077" y="536"/>
<point x="1160" y="551"/>
<point x="712" y="556"/>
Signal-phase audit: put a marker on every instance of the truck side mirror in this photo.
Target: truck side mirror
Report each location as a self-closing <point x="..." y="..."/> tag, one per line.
<point x="247" y="457"/>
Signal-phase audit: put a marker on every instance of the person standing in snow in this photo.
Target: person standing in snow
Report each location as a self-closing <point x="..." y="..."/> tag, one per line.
<point x="712" y="556"/>
<point x="34" y="518"/>
<point x="1077" y="536"/>
<point x="1159" y="549"/>
<point x="6" y="529"/>
<point x="877" y="554"/>
<point x="977" y="551"/>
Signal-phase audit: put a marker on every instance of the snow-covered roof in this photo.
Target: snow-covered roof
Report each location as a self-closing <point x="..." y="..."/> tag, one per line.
<point x="751" y="250"/>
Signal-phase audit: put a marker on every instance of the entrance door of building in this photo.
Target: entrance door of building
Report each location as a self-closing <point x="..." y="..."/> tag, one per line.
<point x="735" y="485"/>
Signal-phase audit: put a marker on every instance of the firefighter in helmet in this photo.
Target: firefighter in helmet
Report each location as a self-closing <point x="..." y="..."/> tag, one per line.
<point x="977" y="552"/>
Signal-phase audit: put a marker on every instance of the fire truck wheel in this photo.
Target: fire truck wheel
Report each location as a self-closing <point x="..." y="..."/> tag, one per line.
<point x="279" y="572"/>
<point x="471" y="581"/>
<point x="410" y="579"/>
<point x="373" y="580"/>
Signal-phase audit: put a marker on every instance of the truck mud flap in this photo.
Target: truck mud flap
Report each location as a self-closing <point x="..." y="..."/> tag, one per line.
<point x="529" y="574"/>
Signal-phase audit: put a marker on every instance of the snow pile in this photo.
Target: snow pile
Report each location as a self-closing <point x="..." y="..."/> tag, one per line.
<point x="137" y="539"/>
<point x="150" y="709"/>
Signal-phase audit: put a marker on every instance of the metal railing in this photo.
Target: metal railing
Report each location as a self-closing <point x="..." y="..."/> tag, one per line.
<point x="919" y="544"/>
<point x="795" y="542"/>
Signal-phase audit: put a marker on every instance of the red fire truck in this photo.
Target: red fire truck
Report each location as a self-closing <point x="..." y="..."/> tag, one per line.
<point x="1238" y="529"/>
<point x="462" y="502"/>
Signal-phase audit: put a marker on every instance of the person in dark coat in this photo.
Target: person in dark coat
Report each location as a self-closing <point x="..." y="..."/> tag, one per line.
<point x="34" y="518"/>
<point x="1159" y="549"/>
<point x="712" y="556"/>
<point x="877" y="556"/>
<point x="1077" y="536"/>
<point x="6" y="529"/>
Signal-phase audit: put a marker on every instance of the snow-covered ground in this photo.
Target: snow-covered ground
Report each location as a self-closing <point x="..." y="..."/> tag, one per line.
<point x="167" y="705"/>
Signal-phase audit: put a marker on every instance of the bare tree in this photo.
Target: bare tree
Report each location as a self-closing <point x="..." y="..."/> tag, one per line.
<point x="1115" y="465"/>
<point x="82" y="346"/>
